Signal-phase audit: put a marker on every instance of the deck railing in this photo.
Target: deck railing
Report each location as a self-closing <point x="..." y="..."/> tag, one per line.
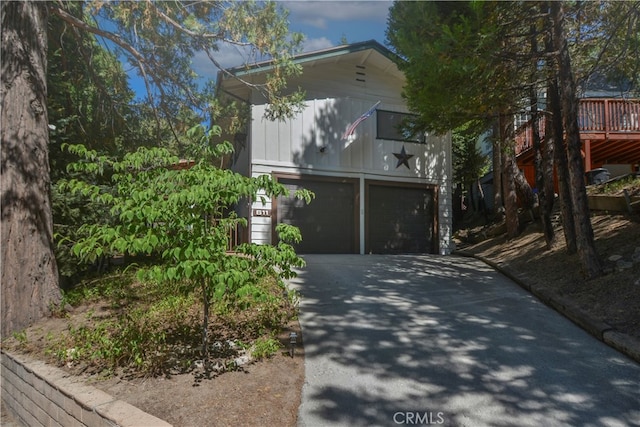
<point x="609" y="115"/>
<point x="235" y="234"/>
<point x="595" y="116"/>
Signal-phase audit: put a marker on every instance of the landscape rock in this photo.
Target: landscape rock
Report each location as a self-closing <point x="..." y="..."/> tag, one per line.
<point x="242" y="360"/>
<point x="623" y="265"/>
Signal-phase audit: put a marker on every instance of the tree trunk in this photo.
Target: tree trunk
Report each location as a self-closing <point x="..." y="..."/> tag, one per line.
<point x="547" y="192"/>
<point x="29" y="273"/>
<point x="523" y="189"/>
<point x="543" y="172"/>
<point x="543" y="163"/>
<point x="555" y="137"/>
<point x="589" y="260"/>
<point x="562" y="168"/>
<point x="497" y="175"/>
<point x="482" y="204"/>
<point x="510" y="195"/>
<point x="205" y="322"/>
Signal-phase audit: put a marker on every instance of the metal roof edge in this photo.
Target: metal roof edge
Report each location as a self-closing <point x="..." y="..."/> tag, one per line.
<point x="314" y="55"/>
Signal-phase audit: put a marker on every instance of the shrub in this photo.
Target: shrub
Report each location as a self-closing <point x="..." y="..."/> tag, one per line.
<point x="178" y="220"/>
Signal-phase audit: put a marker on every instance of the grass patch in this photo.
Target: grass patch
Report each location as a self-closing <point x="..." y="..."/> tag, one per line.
<point x="265" y="347"/>
<point x="630" y="183"/>
<point x="135" y="328"/>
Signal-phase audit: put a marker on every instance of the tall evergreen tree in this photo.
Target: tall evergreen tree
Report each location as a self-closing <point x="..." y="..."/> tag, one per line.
<point x="159" y="39"/>
<point x="491" y="59"/>
<point x="461" y="64"/>
<point x="29" y="277"/>
<point x="589" y="259"/>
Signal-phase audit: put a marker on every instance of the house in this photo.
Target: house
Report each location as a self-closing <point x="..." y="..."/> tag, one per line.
<point x="378" y="190"/>
<point x="609" y="127"/>
<point x="609" y="123"/>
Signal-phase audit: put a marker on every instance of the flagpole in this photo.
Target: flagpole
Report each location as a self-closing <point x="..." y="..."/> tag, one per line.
<point x="352" y="127"/>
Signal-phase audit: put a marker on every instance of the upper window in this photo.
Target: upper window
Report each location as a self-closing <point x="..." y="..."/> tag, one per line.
<point x="394" y="126"/>
<point x="521" y="119"/>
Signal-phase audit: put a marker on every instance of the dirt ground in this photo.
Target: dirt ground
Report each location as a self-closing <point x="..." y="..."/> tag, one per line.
<point x="613" y="298"/>
<point x="265" y="393"/>
<point x="268" y="392"/>
<point x="261" y="393"/>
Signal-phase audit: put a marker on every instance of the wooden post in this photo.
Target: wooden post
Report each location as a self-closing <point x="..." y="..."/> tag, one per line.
<point x="607" y="119"/>
<point x="587" y="155"/>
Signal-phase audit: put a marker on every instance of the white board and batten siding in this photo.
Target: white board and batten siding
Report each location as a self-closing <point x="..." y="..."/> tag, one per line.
<point x="311" y="144"/>
<point x="260" y="219"/>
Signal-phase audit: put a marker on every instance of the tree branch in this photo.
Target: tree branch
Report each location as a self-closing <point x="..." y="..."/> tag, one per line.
<point x="142" y="62"/>
<point x="219" y="37"/>
<point x="72" y="20"/>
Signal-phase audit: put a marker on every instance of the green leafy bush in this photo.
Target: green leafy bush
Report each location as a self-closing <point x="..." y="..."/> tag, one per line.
<point x="265" y="347"/>
<point x="176" y="222"/>
<point x="152" y="330"/>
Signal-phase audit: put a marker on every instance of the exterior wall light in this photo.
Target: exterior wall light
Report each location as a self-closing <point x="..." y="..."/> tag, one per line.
<point x="292" y="343"/>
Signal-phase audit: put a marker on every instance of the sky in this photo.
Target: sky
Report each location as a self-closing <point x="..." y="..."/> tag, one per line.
<point x="324" y="24"/>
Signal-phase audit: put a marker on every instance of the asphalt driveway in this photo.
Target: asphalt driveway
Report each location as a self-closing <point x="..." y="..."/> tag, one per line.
<point x="420" y="340"/>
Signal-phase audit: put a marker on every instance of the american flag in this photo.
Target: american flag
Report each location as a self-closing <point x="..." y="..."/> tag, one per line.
<point x="352" y="127"/>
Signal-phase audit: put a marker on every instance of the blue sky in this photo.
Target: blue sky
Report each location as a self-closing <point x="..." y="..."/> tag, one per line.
<point x="324" y="24"/>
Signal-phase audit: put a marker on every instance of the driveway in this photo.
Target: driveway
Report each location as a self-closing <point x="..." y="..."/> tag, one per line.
<point x="419" y="340"/>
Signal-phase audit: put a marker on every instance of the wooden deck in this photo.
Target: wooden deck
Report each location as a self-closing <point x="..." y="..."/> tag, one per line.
<point x="609" y="130"/>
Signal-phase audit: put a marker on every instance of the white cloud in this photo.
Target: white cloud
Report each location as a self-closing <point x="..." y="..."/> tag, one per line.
<point x="316" y="22"/>
<point x="227" y="56"/>
<point x="316" y="13"/>
<point x="230" y="55"/>
<point x="311" y="45"/>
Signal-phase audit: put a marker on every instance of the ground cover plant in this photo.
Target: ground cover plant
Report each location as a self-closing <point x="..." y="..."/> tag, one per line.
<point x="172" y="226"/>
<point x="629" y="183"/>
<point x="133" y="328"/>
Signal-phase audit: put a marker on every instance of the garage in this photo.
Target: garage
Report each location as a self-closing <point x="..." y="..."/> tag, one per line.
<point x="400" y="218"/>
<point x="329" y="223"/>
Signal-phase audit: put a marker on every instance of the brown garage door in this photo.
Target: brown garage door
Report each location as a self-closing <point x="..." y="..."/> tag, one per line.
<point x="328" y="224"/>
<point x="400" y="219"/>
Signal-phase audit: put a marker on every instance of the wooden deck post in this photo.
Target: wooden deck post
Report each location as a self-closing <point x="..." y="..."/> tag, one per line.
<point x="587" y="155"/>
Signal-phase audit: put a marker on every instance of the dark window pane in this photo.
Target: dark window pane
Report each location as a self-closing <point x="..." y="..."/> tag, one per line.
<point x="395" y="126"/>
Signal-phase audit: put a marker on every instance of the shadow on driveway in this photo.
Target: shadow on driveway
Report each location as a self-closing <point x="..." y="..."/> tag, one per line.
<point x="418" y="340"/>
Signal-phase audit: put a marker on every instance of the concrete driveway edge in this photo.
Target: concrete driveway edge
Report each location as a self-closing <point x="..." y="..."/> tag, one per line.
<point x="624" y="343"/>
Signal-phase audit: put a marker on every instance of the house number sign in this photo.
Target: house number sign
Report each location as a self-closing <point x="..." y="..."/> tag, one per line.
<point x="262" y="212"/>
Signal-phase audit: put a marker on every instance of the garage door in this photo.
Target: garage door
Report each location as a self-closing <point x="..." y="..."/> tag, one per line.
<point x="328" y="224"/>
<point x="400" y="219"/>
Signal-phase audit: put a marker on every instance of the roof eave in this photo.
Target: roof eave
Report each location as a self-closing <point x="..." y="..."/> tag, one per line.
<point x="331" y="52"/>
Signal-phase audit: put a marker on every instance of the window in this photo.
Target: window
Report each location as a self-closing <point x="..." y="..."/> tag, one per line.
<point x="394" y="126"/>
<point x="521" y="119"/>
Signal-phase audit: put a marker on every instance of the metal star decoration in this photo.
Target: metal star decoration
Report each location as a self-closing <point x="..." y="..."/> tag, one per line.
<point x="403" y="158"/>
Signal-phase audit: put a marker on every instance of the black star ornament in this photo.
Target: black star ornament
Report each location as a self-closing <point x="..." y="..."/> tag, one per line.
<point x="403" y="158"/>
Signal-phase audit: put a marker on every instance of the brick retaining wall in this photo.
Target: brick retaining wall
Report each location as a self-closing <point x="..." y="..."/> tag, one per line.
<point x="38" y="395"/>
